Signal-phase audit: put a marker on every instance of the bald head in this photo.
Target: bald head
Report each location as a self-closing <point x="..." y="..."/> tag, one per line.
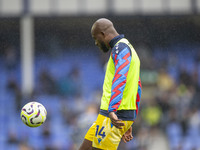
<point x="104" y="26"/>
<point x="103" y="31"/>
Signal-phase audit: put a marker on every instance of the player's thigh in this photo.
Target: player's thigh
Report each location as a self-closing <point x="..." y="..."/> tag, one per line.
<point x="93" y="148"/>
<point x="106" y="135"/>
<point x="91" y="132"/>
<point x="86" y="145"/>
<point x="87" y="142"/>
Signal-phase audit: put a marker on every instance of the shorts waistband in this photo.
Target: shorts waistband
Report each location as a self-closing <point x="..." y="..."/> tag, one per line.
<point x="127" y="115"/>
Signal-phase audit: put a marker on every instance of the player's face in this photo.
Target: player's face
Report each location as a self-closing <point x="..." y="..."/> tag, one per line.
<point x="103" y="47"/>
<point x="100" y="43"/>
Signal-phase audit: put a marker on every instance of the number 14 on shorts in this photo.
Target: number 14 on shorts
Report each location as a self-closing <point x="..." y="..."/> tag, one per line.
<point x="99" y="132"/>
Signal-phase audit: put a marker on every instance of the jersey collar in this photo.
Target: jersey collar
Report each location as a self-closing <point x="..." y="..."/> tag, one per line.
<point x="115" y="40"/>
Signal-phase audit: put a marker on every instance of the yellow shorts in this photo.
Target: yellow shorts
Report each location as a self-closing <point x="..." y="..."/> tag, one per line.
<point x="104" y="135"/>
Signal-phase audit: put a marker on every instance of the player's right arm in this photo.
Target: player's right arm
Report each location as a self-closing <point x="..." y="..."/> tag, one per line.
<point x="138" y="97"/>
<point x="128" y="135"/>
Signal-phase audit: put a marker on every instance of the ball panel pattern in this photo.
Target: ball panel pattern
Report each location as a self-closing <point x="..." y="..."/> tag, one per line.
<point x="33" y="114"/>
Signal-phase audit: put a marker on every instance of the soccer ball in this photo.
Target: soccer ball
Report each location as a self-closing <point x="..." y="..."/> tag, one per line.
<point x="33" y="114"/>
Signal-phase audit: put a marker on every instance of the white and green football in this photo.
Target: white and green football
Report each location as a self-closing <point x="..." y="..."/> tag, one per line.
<point x="33" y="114"/>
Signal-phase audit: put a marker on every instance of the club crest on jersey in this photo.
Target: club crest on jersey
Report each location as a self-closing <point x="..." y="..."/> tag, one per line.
<point x="99" y="140"/>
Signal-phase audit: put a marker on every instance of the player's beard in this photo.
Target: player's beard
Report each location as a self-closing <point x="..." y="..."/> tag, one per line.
<point x="104" y="48"/>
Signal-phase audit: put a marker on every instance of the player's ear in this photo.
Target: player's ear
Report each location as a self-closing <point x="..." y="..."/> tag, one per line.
<point x="103" y="34"/>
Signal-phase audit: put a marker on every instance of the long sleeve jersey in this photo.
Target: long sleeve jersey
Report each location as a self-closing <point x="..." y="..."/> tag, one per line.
<point x="122" y="86"/>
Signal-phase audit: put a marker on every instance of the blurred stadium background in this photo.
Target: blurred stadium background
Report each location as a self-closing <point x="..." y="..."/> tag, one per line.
<point x="47" y="55"/>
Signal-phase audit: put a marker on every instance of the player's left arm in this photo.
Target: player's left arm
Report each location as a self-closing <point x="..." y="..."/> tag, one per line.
<point x="121" y="55"/>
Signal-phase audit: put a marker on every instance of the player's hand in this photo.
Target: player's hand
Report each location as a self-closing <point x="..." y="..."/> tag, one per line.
<point x="115" y="121"/>
<point x="128" y="135"/>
